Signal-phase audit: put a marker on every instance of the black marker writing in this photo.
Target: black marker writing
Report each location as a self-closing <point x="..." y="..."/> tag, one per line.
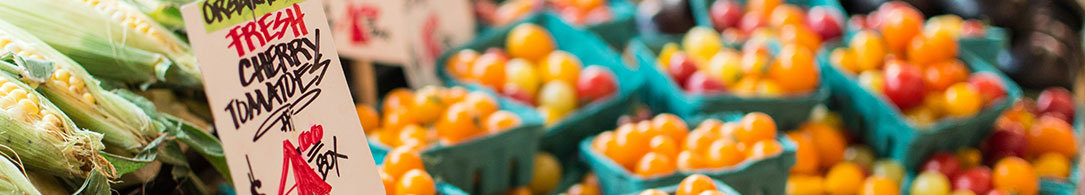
<point x="291" y="73"/>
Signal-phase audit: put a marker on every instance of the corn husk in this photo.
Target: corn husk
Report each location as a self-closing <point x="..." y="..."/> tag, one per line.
<point x="165" y="12"/>
<point x="44" y="137"/>
<point x="113" y="40"/>
<point x="72" y="90"/>
<point x="14" y="180"/>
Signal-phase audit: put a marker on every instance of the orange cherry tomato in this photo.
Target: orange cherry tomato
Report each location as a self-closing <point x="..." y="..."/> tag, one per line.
<point x="724" y="153"/>
<point x="369" y="117"/>
<point x="764" y="149"/>
<point x="631" y="145"/>
<point x="939" y="76"/>
<point x="844" y="178"/>
<point x="932" y="47"/>
<point x="459" y="123"/>
<point x="756" y="126"/>
<point x="400" y="160"/>
<point x="1051" y="134"/>
<point x="1015" y="174"/>
<point x="794" y="69"/>
<point x="560" y="65"/>
<point x="489" y="71"/>
<point x="654" y="164"/>
<point x="695" y="184"/>
<point x="500" y="121"/>
<point x="459" y="65"/>
<point x="671" y="125"/>
<point x="529" y="41"/>
<point x="663" y="145"/>
<point x="416" y="182"/>
<point x="689" y="160"/>
<point x="899" y="26"/>
<point x="481" y="103"/>
<point x="786" y="14"/>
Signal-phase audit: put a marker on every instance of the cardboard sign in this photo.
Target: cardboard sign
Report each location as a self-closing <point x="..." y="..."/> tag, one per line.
<point x="280" y="101"/>
<point x="369" y="29"/>
<point x="412" y="33"/>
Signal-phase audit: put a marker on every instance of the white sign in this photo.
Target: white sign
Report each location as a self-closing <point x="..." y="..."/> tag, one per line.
<point x="412" y="33"/>
<point x="280" y="101"/>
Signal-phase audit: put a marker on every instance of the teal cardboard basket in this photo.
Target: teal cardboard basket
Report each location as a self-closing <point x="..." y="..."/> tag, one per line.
<point x="1068" y="186"/>
<point x="701" y="8"/>
<point x="561" y="138"/>
<point x="1048" y="186"/>
<point x="720" y="186"/>
<point x="499" y="162"/>
<point x="764" y="176"/>
<point x="883" y="126"/>
<point x="664" y="94"/>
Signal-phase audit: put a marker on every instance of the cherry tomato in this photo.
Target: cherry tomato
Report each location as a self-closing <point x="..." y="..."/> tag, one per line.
<point x="529" y="41"/>
<point x="701" y="44"/>
<point x="794" y="69"/>
<point x="1015" y="174"/>
<point x="869" y="49"/>
<point x="416" y="182"/>
<point x="904" y="84"/>
<point x="695" y="184"/>
<point x="844" y="178"/>
<point x="930" y="183"/>
<point x="595" y="82"/>
<point x="558" y="96"/>
<point x="900" y="25"/>
<point x="460" y="63"/>
<point x="989" y="85"/>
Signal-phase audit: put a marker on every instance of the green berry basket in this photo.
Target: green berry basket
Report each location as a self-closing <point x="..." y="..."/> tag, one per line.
<point x="720" y="186"/>
<point x="764" y="176"/>
<point x="562" y="137"/>
<point x="442" y="187"/>
<point x="665" y="95"/>
<point x="701" y="9"/>
<point x="883" y="126"/>
<point x="499" y="162"/>
<point x="1068" y="186"/>
<point x="1048" y="186"/>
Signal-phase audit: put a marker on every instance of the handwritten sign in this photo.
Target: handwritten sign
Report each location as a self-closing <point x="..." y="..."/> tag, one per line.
<point x="277" y="92"/>
<point x="412" y="33"/>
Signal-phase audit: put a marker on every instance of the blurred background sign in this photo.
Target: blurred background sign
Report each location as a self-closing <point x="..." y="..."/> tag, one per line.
<point x="407" y="33"/>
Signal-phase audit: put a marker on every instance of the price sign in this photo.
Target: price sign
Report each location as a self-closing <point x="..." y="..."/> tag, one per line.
<point x="279" y="98"/>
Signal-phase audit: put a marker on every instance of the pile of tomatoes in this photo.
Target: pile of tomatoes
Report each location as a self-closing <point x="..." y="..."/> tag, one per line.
<point x="695" y="184"/>
<point x="434" y="114"/>
<point x="1023" y="149"/>
<point x="580" y="12"/>
<point x="793" y="23"/>
<point x="403" y="173"/>
<point x="918" y="71"/>
<point x="827" y="163"/>
<point x="663" y="145"/>
<point x="703" y="66"/>
<point x="533" y="72"/>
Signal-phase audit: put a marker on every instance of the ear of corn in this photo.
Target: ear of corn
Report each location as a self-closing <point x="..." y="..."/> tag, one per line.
<point x="111" y="39"/>
<point x="13" y="179"/>
<point x="73" y="90"/>
<point x="165" y="12"/>
<point x="43" y="136"/>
